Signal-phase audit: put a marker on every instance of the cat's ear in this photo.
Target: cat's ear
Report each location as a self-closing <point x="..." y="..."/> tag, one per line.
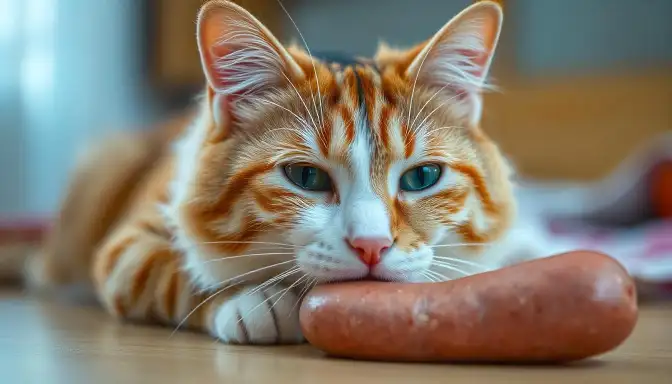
<point x="240" y="56"/>
<point x="458" y="57"/>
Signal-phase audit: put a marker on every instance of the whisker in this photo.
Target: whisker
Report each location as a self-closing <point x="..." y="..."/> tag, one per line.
<point x="227" y="287"/>
<point x="264" y="100"/>
<point x="282" y="293"/>
<point x="246" y="255"/>
<point x="288" y="289"/>
<point x="466" y="262"/>
<point x="317" y="80"/>
<point x="455" y="245"/>
<point x="401" y="273"/>
<point x="215" y="286"/>
<point x="426" y="276"/>
<point x="312" y="283"/>
<point x="207" y="299"/>
<point x="415" y="81"/>
<point x="416" y="128"/>
<point x="320" y="133"/>
<point x="273" y="281"/>
<point x="293" y="130"/>
<point x="424" y="105"/>
<point x="249" y="242"/>
<point x="429" y="277"/>
<point x="440" y="276"/>
<point x="300" y="98"/>
<point x="451" y="267"/>
<point x="262" y="303"/>
<point x="428" y="133"/>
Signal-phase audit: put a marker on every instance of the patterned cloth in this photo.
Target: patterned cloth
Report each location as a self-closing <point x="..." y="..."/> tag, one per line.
<point x="615" y="216"/>
<point x="644" y="250"/>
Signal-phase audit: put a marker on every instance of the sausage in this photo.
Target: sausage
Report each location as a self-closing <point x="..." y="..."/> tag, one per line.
<point x="557" y="309"/>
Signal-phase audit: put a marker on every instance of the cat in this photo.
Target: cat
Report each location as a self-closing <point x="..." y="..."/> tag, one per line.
<point x="291" y="171"/>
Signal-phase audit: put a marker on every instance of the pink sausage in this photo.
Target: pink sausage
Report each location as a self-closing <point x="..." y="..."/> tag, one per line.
<point x="557" y="309"/>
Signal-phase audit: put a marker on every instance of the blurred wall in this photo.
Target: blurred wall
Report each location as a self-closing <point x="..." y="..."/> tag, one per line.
<point x="585" y="37"/>
<point x="78" y="76"/>
<point x="355" y="26"/>
<point x="551" y="36"/>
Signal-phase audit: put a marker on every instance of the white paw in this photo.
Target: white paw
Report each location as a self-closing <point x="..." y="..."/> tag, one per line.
<point x="269" y="316"/>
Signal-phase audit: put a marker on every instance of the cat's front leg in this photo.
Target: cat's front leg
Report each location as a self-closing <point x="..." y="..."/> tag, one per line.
<point x="139" y="276"/>
<point x="259" y="316"/>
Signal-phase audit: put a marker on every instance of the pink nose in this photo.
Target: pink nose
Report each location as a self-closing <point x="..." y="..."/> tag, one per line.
<point x="370" y="249"/>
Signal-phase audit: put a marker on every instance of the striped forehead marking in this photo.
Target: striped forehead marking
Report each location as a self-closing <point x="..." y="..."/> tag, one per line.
<point x="347" y="61"/>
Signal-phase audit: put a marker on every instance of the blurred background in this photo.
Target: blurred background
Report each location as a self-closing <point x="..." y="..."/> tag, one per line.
<point x="585" y="101"/>
<point x="584" y="82"/>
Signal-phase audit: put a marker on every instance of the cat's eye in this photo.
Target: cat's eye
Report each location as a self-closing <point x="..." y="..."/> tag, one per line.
<point x="419" y="178"/>
<point x="308" y="177"/>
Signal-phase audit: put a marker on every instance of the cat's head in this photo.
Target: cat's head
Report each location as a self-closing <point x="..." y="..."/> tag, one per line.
<point x="362" y="168"/>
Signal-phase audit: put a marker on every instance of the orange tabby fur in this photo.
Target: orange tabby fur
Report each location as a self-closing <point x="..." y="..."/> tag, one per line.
<point x="113" y="233"/>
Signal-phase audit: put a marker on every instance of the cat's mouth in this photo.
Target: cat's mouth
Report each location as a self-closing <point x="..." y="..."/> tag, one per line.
<point x="368" y="277"/>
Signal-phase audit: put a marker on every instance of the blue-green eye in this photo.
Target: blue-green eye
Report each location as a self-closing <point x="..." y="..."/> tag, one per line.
<point x="308" y="178"/>
<point x="420" y="178"/>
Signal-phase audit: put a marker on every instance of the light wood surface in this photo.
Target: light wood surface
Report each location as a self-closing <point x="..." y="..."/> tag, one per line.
<point x="49" y="342"/>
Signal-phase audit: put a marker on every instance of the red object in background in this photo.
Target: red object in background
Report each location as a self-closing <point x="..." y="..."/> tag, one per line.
<point x="14" y="231"/>
<point x="661" y="190"/>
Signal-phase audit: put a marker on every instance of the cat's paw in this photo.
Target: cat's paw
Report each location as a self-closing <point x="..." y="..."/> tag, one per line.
<point x="269" y="316"/>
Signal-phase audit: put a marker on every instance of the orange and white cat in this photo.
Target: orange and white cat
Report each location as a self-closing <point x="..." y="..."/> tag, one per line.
<point x="290" y="172"/>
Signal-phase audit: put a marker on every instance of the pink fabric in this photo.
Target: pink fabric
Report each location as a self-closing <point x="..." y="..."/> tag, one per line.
<point x="22" y="230"/>
<point x="614" y="216"/>
<point x="646" y="249"/>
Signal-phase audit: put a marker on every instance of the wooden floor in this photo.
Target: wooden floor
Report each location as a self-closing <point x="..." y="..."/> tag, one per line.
<point x="50" y="343"/>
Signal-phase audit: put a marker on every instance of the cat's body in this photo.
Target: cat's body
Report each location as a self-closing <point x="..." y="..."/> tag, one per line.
<point x="290" y="172"/>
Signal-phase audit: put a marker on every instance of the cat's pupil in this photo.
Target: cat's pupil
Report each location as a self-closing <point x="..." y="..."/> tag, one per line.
<point x="422" y="171"/>
<point x="420" y="178"/>
<point x="306" y="174"/>
<point x="309" y="178"/>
